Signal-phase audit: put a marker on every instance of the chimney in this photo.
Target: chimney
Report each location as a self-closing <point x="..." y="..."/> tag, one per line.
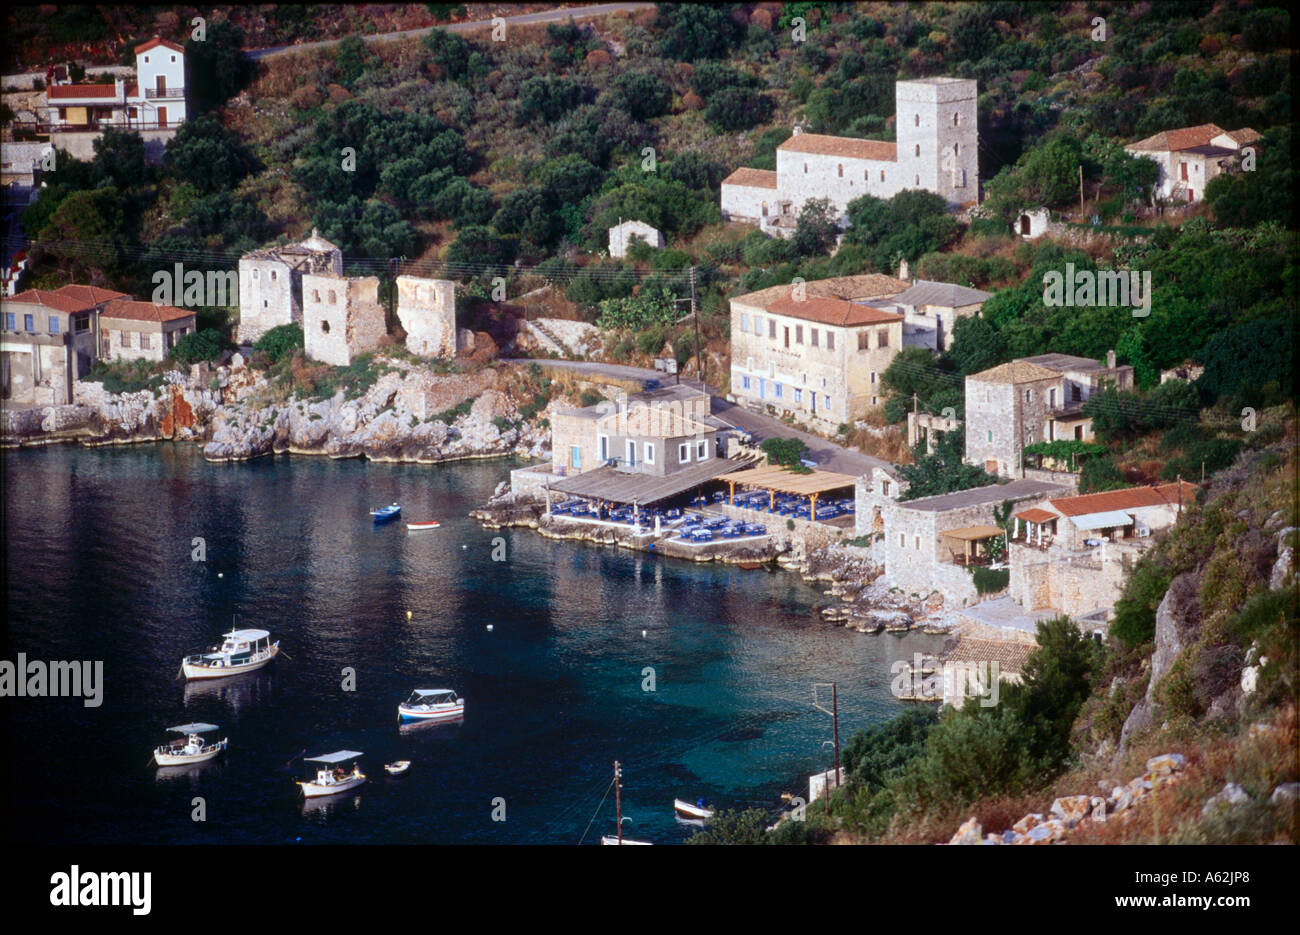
<point x="1110" y="360"/>
<point x="902" y="269"/>
<point x="797" y="129"/>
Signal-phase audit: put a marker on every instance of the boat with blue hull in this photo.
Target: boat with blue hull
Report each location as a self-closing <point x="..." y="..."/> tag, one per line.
<point x="386" y="513"/>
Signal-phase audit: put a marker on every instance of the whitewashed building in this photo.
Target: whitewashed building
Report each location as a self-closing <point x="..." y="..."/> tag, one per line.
<point x="937" y="150"/>
<point x="1191" y="156"/>
<point x="621" y="237"/>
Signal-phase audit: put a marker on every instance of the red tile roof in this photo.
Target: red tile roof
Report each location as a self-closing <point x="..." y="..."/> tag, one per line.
<point x="155" y="42"/>
<point x="89" y="296"/>
<point x="1035" y="515"/>
<point x="754" y="178"/>
<point x="60" y="303"/>
<point x="818" y="144"/>
<point x="1127" y="499"/>
<point x="832" y="311"/>
<point x="80" y="92"/>
<point x="133" y="310"/>
<point x="1175" y="140"/>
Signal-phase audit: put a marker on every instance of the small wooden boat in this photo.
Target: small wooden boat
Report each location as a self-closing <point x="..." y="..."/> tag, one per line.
<point x="242" y="651"/>
<point x="418" y="527"/>
<point x="386" y="513"/>
<point x="398" y="767"/>
<point x="191" y="749"/>
<point x="750" y="566"/>
<point x="431" y="704"/>
<point x="697" y="812"/>
<point x="332" y="778"/>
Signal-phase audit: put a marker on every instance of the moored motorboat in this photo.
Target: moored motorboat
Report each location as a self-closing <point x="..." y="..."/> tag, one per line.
<point x="398" y="767"/>
<point x="698" y="811"/>
<point x="385" y="513"/>
<point x="431" y="704"/>
<point x="332" y="778"/>
<point x="192" y="748"/>
<point x="242" y="651"/>
<point x="420" y="527"/>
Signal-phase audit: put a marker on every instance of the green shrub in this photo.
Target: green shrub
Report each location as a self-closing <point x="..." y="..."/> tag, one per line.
<point x="200" y="346"/>
<point x="1135" y="611"/>
<point x="990" y="580"/>
<point x="280" y="341"/>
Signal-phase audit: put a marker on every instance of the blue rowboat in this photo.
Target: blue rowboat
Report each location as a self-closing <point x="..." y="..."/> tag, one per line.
<point x="385" y="513"/>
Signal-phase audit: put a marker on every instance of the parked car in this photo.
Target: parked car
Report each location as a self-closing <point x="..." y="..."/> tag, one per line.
<point x="652" y="385"/>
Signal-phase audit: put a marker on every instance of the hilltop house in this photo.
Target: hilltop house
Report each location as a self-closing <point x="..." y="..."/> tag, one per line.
<point x="155" y="103"/>
<point x="1190" y="157"/>
<point x="937" y="150"/>
<point x="1030" y="400"/>
<point x="816" y="349"/>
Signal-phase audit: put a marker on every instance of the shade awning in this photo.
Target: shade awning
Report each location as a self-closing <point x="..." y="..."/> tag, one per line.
<point x="1035" y="515"/>
<point x="337" y="757"/>
<point x="1103" y="520"/>
<point x="196" y="728"/>
<point x="781" y="480"/>
<point x="606" y="483"/>
<point x="972" y="533"/>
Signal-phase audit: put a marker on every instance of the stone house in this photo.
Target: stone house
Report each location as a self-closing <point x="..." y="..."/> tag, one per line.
<point x="270" y="283"/>
<point x="656" y="432"/>
<point x="930" y="309"/>
<point x="930" y="543"/>
<point x="971" y="666"/>
<point x="130" y="329"/>
<point x="155" y="103"/>
<point x="937" y="150"/>
<point x="426" y="309"/>
<point x="49" y="340"/>
<point x="874" y="490"/>
<point x="815" y="350"/>
<point x="1190" y="157"/>
<point x="341" y="318"/>
<point x="923" y="426"/>
<point x="1034" y="399"/>
<point x="620" y="237"/>
<point x="1072" y="554"/>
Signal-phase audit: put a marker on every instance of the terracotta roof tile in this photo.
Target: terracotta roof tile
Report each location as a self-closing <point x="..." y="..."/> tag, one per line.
<point x="89" y="296"/>
<point x="832" y="311"/>
<point x="753" y="178"/>
<point x="57" y="300"/>
<point x="1175" y="140"/>
<point x="1009" y="655"/>
<point x="1129" y="498"/>
<point x="1018" y="371"/>
<point x="82" y="92"/>
<point x="155" y="42"/>
<point x="133" y="310"/>
<point x="1035" y="515"/>
<point x="818" y="144"/>
<point x="865" y="286"/>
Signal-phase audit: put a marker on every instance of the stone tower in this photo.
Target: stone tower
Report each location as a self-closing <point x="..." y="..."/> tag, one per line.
<point x="426" y="309"/>
<point x="341" y="318"/>
<point x="270" y="283"/>
<point x="938" y="136"/>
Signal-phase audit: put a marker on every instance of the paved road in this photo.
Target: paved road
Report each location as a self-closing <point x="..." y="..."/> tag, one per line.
<point x="521" y="19"/>
<point x="828" y="455"/>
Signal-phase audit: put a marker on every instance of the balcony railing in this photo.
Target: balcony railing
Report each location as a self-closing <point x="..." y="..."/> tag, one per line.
<point x="154" y="93"/>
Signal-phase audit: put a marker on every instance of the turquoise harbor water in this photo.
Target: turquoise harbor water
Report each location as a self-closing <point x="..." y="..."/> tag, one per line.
<point x="98" y="566"/>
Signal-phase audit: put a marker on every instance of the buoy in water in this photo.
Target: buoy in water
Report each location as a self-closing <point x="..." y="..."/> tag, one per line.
<point x="643" y="634"/>
<point x="489" y="626"/>
<point x="408" y="615"/>
<point x="219" y="575"/>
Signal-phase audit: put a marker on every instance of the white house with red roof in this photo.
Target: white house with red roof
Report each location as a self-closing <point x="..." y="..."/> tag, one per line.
<point x="937" y="150"/>
<point x="154" y="102"/>
<point x="1191" y="156"/>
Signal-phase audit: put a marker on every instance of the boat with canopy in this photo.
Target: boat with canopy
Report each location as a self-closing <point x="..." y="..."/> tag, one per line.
<point x="191" y="747"/>
<point x="431" y="704"/>
<point x="242" y="651"/>
<point x="333" y="776"/>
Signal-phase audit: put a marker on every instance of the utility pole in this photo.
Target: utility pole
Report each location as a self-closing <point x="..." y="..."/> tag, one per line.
<point x="695" y="313"/>
<point x="834" y="712"/>
<point x="1081" y="189"/>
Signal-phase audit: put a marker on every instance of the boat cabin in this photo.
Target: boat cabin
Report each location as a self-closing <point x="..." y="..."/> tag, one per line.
<point x="242" y="645"/>
<point x="427" y="697"/>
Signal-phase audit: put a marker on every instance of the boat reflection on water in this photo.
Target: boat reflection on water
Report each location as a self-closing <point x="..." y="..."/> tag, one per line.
<point x="237" y="691"/>
<point x="191" y="771"/>
<point x="444" y="729"/>
<point x="321" y="808"/>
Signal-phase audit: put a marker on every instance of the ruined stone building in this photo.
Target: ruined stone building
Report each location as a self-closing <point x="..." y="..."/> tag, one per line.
<point x="937" y="150"/>
<point x="426" y="309"/>
<point x="341" y="317"/>
<point x="271" y="287"/>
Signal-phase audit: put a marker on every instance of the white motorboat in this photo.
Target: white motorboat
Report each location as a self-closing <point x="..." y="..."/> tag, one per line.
<point x="697" y="812"/>
<point x="192" y="748"/>
<point x="431" y="704"/>
<point x="611" y="839"/>
<point x="333" y="778"/>
<point x="242" y="651"/>
<point x="397" y="768"/>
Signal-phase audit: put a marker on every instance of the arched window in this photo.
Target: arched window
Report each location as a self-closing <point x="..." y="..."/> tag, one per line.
<point x="918" y="120"/>
<point x="841" y="168"/>
<point x="325" y="326"/>
<point x="918" y="149"/>
<point x="918" y="181"/>
<point x="955" y="148"/>
<point x="955" y="119"/>
<point x="882" y="175"/>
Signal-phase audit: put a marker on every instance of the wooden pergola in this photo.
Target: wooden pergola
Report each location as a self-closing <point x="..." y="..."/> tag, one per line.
<point x="968" y="535"/>
<point x="776" y="479"/>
